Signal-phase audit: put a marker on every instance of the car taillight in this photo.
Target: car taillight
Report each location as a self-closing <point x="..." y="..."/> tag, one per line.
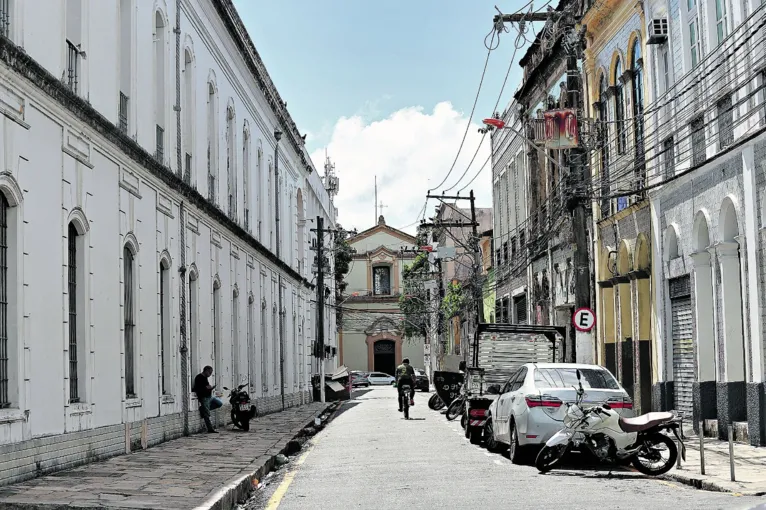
<point x="620" y="403"/>
<point x="477" y="413"/>
<point x="543" y="401"/>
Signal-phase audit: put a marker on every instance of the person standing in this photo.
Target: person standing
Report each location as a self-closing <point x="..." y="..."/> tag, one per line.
<point x="204" y="391"/>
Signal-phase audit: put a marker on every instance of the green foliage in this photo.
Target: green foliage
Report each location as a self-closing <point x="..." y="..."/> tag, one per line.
<point x="454" y="300"/>
<point x="413" y="303"/>
<point x="343" y="255"/>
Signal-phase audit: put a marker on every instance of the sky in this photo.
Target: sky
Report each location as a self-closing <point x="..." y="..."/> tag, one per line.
<point x="386" y="90"/>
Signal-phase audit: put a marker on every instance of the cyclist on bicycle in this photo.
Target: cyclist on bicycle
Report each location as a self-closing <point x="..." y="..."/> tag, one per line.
<point x="405" y="374"/>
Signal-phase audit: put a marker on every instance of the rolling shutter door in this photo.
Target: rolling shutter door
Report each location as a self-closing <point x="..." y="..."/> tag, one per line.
<point x="683" y="344"/>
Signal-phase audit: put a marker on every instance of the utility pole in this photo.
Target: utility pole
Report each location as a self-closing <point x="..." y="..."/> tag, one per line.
<point x="476" y="281"/>
<point x="582" y="348"/>
<point x="440" y="313"/>
<point x="281" y="329"/>
<point x="476" y="263"/>
<point x="320" y="304"/>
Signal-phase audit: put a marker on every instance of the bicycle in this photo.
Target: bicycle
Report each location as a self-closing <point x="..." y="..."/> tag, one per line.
<point x="404" y="400"/>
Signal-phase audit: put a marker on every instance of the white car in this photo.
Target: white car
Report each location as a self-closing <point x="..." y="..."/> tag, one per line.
<point x="379" y="378"/>
<point x="530" y="406"/>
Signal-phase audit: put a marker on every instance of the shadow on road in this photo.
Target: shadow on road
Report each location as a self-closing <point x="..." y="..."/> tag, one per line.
<point x="345" y="406"/>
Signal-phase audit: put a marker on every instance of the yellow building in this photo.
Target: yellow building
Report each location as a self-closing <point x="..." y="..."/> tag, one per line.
<point x="616" y="85"/>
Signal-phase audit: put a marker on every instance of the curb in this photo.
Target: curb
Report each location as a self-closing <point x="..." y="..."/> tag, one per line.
<point x="239" y="488"/>
<point x="706" y="485"/>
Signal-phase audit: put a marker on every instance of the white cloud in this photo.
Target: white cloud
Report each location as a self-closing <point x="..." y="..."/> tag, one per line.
<point x="410" y="151"/>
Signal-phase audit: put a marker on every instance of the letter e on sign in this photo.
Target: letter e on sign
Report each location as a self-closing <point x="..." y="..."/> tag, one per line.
<point x="584" y="319"/>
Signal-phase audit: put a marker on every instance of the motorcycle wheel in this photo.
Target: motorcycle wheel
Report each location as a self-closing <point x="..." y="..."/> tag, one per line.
<point x="246" y="425"/>
<point x="649" y="454"/>
<point x="405" y="406"/>
<point x="464" y="424"/>
<point x="455" y="409"/>
<point x="550" y="456"/>
<point x="432" y="401"/>
<point x="439" y="404"/>
<point x="234" y="419"/>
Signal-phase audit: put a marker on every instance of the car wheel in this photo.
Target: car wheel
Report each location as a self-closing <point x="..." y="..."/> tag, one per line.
<point x="515" y="450"/>
<point x="489" y="438"/>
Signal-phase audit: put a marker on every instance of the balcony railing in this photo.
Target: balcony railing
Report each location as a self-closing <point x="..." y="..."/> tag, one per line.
<point x="73" y="66"/>
<point x="160" y="153"/>
<point x="5" y="18"/>
<point x="123" y="112"/>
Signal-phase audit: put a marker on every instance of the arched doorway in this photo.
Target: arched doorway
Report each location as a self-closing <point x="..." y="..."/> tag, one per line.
<point x="643" y="307"/>
<point x="625" y="321"/>
<point x="384" y="356"/>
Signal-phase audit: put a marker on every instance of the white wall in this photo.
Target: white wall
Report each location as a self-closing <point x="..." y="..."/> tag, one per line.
<point x="63" y="164"/>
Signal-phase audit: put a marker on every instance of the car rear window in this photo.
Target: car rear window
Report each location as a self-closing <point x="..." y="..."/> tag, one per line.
<point x="567" y="377"/>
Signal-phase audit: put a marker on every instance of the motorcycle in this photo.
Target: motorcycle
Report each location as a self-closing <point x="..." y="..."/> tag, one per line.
<point x="242" y="411"/>
<point x="614" y="439"/>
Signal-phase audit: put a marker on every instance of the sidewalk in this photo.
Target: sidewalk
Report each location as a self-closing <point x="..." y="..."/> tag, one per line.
<point x="199" y="471"/>
<point x="749" y="467"/>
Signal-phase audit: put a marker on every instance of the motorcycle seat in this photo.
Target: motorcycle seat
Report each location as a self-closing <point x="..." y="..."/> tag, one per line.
<point x="644" y="422"/>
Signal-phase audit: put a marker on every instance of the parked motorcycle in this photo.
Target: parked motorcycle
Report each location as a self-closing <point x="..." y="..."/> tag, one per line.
<point x="614" y="439"/>
<point x="242" y="410"/>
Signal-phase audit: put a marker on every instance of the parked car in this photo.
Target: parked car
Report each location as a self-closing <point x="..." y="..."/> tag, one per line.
<point x="359" y="379"/>
<point x="530" y="406"/>
<point x="421" y="380"/>
<point x="379" y="378"/>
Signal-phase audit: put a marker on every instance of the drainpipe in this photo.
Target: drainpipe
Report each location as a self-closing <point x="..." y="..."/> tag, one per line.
<point x="277" y="137"/>
<point x="182" y="219"/>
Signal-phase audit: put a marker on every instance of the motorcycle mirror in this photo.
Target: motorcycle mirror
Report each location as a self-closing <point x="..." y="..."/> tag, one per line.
<point x="227" y="389"/>
<point x="578" y="374"/>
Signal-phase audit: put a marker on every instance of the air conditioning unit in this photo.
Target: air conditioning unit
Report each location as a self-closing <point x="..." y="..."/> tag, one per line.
<point x="658" y="31"/>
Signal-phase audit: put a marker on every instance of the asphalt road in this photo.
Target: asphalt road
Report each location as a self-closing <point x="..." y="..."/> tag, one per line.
<point x="370" y="457"/>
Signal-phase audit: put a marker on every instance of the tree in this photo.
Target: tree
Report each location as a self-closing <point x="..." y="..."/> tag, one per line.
<point x="343" y="255"/>
<point x="454" y="302"/>
<point x="414" y="301"/>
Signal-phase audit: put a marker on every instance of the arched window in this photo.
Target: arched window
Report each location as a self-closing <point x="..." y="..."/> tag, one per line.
<point x="212" y="146"/>
<point x="301" y="234"/>
<point x="259" y="186"/>
<point x="159" y="84"/>
<point x="188" y="115"/>
<point x="270" y="206"/>
<point x="246" y="175"/>
<point x="76" y="312"/>
<point x="165" y="349"/>
<point x="5" y="271"/>
<point x="128" y="261"/>
<point x="193" y="326"/>
<point x="619" y="108"/>
<point x="235" y="368"/>
<point x="217" y="331"/>
<point x="638" y="99"/>
<point x="603" y="117"/>
<point x="231" y="163"/>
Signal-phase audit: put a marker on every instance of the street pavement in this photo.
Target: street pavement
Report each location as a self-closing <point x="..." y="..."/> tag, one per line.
<point x="370" y="457"/>
<point x="199" y="471"/>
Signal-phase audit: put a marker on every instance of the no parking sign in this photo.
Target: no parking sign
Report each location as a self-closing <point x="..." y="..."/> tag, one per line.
<point x="584" y="319"/>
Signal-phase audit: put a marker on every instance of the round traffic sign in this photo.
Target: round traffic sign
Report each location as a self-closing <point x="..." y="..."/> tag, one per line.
<point x="584" y="319"/>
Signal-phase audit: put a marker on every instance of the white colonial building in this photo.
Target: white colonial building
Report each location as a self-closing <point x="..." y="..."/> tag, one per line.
<point x="146" y="228"/>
